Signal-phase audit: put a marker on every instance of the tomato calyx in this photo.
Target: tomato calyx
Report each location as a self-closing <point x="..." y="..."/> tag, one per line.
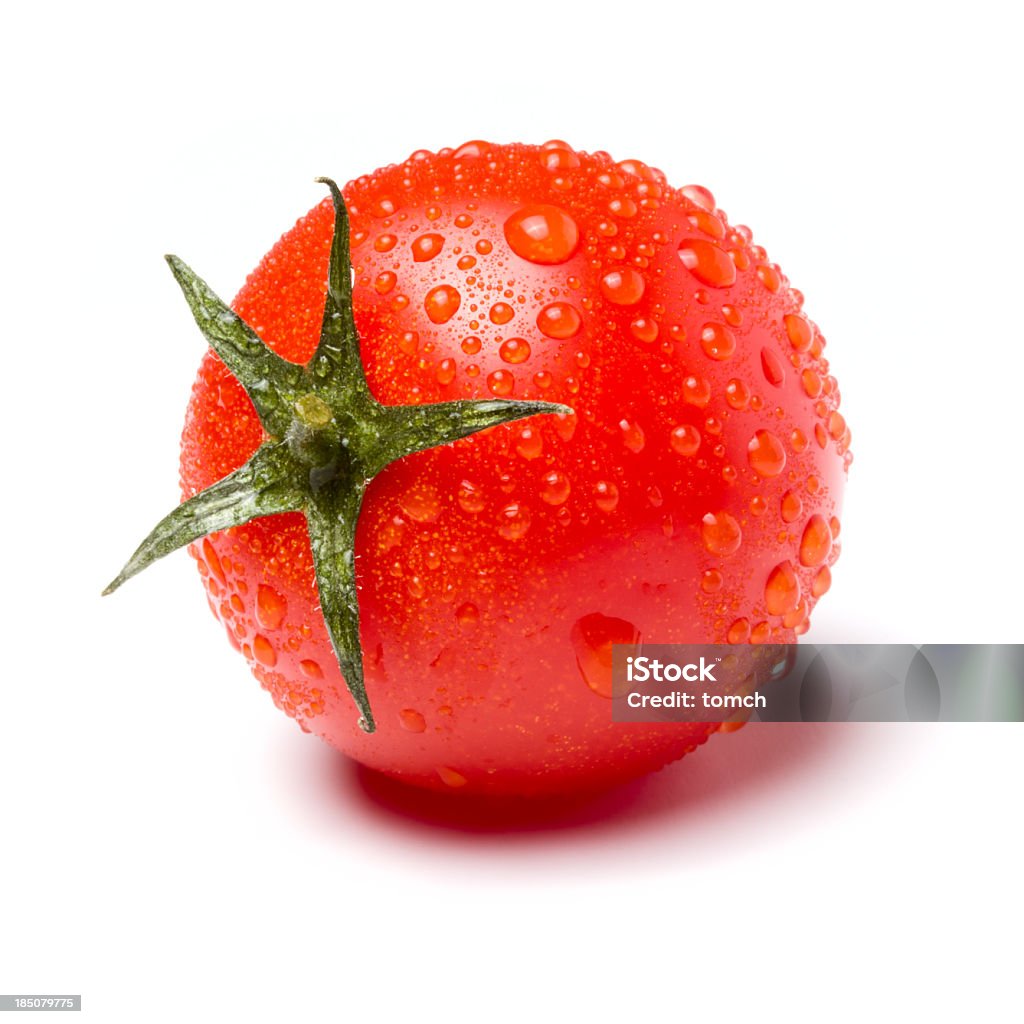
<point x="327" y="437"/>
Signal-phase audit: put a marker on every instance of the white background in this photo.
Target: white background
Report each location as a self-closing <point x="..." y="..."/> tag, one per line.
<point x="174" y="849"/>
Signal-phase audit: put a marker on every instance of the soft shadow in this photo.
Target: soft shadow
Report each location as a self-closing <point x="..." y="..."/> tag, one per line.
<point x="761" y="760"/>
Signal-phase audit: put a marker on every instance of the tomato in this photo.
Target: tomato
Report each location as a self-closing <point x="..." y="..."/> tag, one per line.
<point x="691" y="494"/>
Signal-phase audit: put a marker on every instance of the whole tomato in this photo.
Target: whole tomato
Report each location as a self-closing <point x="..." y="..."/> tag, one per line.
<point x="691" y="494"/>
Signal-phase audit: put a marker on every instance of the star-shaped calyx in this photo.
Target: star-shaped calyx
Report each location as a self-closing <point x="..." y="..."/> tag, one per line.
<point x="327" y="437"/>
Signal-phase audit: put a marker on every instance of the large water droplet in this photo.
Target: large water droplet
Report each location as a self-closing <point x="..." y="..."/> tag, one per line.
<point x="792" y="507"/>
<point x="700" y="196"/>
<point x="721" y="533"/>
<point x="554" y="488"/>
<point x="515" y="350"/>
<point x="270" y="607"/>
<point x="771" y="366"/>
<point x="442" y="303"/>
<point x="707" y="262"/>
<point x="421" y="503"/>
<point x="624" y="287"/>
<point x="606" y="496"/>
<point x="782" y="591"/>
<point x="500" y="383"/>
<point x="816" y="542"/>
<point x="685" y="439"/>
<point x="765" y="454"/>
<point x="632" y="435"/>
<point x="426" y="247"/>
<point x="717" y="341"/>
<point x="501" y="313"/>
<point x="799" y="331"/>
<point x="263" y="651"/>
<point x="411" y="720"/>
<point x="514" y="521"/>
<point x="542" y="234"/>
<point x="445" y="373"/>
<point x="559" y="320"/>
<point x="470" y="497"/>
<point x="593" y="637"/>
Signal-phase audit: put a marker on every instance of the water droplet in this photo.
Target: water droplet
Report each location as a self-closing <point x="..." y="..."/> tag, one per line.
<point x="798" y="439"/>
<point x="632" y="435"/>
<point x="467" y="614"/>
<point x="450" y="777"/>
<point x="501" y="313"/>
<point x="542" y="234"/>
<point x="473" y="148"/>
<point x="836" y="425"/>
<point x="717" y="341"/>
<point x="559" y="159"/>
<point x="644" y="330"/>
<point x="385" y="243"/>
<point x="792" y="507"/>
<point x="514" y="521"/>
<point x="385" y="282"/>
<point x="771" y="365"/>
<point x="263" y="651"/>
<point x="466" y="262"/>
<point x="213" y="561"/>
<point x="739" y="632"/>
<point x="606" y="496"/>
<point x="554" y="488"/>
<point x="471" y="345"/>
<point x="799" y="331"/>
<point x="685" y="439"/>
<point x="696" y="391"/>
<point x="770" y="278"/>
<point x="270" y="607"/>
<point x="426" y="247"/>
<point x="442" y="303"/>
<point x="559" y="320"/>
<point x="822" y="581"/>
<point x="412" y="721"/>
<point x="733" y="317"/>
<point x="782" y="591"/>
<point x="623" y="287"/>
<point x="737" y="394"/>
<point x="699" y="196"/>
<point x="707" y="262"/>
<point x="470" y="498"/>
<point x="422" y="503"/>
<point x="711" y="580"/>
<point x="483" y="247"/>
<point x="765" y="454"/>
<point x="530" y="444"/>
<point x="816" y="542"/>
<point x="721" y="533"/>
<point x="706" y="222"/>
<point x="500" y="383"/>
<point x="593" y="637"/>
<point x="445" y="371"/>
<point x="311" y="669"/>
<point x="515" y="350"/>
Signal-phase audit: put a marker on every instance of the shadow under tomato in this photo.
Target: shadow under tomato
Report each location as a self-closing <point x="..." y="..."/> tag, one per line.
<point x="761" y="758"/>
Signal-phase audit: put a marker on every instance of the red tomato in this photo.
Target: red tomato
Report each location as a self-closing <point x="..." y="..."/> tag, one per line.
<point x="691" y="496"/>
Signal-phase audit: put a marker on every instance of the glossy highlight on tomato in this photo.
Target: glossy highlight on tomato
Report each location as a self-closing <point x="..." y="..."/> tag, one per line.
<point x="692" y="494"/>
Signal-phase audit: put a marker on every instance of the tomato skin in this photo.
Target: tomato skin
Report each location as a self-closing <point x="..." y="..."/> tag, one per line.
<point x="675" y="505"/>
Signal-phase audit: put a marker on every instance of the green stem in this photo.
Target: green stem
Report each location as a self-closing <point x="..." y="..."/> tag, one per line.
<point x="329" y="437"/>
